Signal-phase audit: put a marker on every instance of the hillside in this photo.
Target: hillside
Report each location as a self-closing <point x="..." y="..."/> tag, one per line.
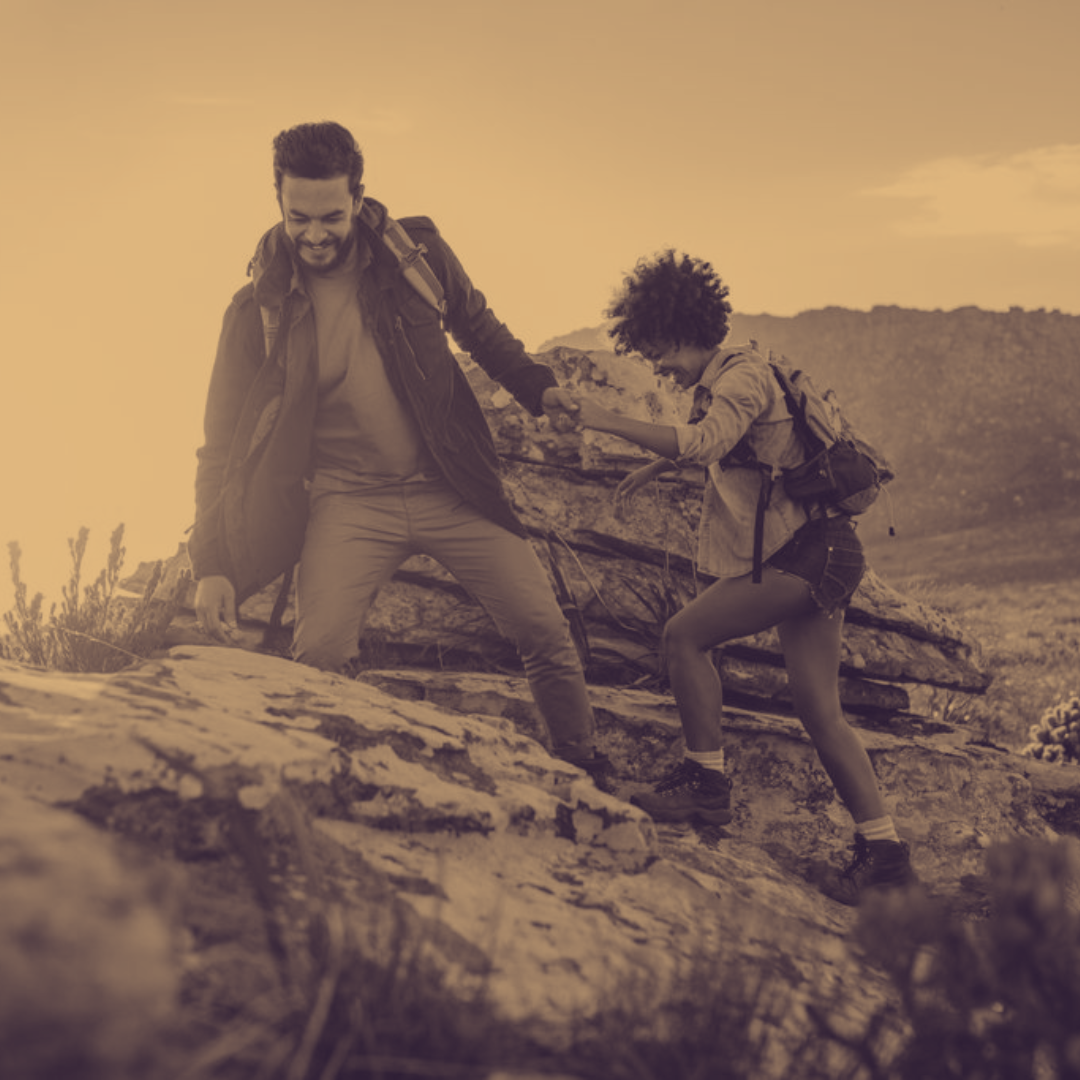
<point x="978" y="410"/>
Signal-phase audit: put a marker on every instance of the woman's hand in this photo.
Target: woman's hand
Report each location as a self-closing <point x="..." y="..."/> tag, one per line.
<point x="661" y="439"/>
<point x="633" y="482"/>
<point x="591" y="414"/>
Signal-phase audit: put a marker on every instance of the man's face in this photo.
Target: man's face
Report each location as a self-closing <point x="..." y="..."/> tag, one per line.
<point x="318" y="217"/>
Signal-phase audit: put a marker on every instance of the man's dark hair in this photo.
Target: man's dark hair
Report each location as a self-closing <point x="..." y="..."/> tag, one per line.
<point x="670" y="299"/>
<point x="318" y="152"/>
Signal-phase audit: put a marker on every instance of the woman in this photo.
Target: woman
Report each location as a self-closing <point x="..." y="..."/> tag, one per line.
<point x="673" y="310"/>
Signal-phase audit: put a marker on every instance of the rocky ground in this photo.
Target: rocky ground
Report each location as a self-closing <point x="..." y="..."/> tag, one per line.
<point x="173" y="834"/>
<point x="200" y="847"/>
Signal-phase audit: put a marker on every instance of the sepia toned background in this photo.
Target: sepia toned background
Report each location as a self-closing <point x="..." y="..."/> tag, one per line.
<point x="844" y="152"/>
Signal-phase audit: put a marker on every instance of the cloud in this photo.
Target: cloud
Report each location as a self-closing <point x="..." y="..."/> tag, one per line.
<point x="1032" y="197"/>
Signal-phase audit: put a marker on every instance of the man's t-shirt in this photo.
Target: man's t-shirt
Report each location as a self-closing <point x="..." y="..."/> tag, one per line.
<point x="364" y="436"/>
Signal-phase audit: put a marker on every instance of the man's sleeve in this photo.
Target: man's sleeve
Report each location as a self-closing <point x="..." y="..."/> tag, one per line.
<point x="235" y="367"/>
<point x="477" y="331"/>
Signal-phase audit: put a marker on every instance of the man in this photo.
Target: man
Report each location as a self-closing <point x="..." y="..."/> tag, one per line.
<point x="341" y="433"/>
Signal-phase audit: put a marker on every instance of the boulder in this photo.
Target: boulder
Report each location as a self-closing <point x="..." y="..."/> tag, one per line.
<point x="90" y="982"/>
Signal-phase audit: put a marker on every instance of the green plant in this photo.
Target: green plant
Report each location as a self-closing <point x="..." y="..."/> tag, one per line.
<point x="95" y="629"/>
<point x="721" y="1018"/>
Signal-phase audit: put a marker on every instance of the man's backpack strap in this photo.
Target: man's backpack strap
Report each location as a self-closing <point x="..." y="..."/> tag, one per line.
<point x="411" y="261"/>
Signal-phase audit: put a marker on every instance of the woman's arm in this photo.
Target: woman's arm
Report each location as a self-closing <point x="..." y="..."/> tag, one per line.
<point x="659" y="438"/>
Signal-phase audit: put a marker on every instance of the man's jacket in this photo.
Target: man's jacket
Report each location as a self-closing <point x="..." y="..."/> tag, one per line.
<point x="250" y="494"/>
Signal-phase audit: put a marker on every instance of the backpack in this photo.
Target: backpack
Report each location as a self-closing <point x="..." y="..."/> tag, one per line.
<point x="842" y="471"/>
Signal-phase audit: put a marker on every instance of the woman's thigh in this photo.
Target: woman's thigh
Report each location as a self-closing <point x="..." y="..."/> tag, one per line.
<point x="737" y="607"/>
<point x="811" y="646"/>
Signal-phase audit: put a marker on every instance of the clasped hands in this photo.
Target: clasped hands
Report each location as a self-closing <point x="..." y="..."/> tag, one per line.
<point x="570" y="412"/>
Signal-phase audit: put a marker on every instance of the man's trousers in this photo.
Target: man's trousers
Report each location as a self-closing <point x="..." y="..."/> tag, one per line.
<point x="355" y="542"/>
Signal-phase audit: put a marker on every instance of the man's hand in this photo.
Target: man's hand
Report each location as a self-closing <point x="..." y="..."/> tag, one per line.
<point x="561" y="408"/>
<point x="215" y="608"/>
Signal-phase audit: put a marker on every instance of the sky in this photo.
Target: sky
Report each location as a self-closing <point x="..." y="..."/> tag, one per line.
<point x="835" y="152"/>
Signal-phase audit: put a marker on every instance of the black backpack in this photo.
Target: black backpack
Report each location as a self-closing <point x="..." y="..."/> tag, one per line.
<point x="842" y="470"/>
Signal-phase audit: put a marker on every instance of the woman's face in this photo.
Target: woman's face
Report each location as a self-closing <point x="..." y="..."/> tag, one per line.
<point x="683" y="363"/>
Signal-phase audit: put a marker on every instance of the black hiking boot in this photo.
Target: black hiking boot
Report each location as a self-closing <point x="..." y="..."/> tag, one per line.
<point x="876" y="865"/>
<point x="596" y="764"/>
<point x="690" y="792"/>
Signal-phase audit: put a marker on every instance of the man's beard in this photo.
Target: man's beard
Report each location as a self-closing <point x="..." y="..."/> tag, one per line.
<point x="342" y="250"/>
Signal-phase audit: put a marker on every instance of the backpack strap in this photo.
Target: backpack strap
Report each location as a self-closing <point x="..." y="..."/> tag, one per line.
<point x="764" y="496"/>
<point x="410" y="259"/>
<point x="812" y="442"/>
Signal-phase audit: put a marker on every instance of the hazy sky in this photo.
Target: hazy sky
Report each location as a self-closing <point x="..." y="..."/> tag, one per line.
<point x="846" y="152"/>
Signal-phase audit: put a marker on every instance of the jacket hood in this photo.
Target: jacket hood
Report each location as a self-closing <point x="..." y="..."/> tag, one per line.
<point x="273" y="267"/>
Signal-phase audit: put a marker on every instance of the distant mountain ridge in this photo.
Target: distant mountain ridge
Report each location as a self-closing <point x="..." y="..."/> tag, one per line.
<point x="978" y="410"/>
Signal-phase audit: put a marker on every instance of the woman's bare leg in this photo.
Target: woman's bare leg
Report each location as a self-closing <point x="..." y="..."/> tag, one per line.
<point x="727" y="609"/>
<point x="811" y="644"/>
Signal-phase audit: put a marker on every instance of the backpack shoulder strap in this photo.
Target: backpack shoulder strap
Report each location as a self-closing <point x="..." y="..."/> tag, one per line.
<point x="811" y="440"/>
<point x="410" y="259"/>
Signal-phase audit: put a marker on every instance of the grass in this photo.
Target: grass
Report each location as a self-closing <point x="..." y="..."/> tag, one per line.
<point x="335" y="1011"/>
<point x="1018" y="597"/>
<point x="1030" y="640"/>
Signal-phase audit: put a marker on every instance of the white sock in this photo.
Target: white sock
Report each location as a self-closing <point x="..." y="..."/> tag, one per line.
<point x="881" y="828"/>
<point x="708" y="759"/>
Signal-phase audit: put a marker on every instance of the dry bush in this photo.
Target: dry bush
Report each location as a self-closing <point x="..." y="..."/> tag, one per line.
<point x="94" y="629"/>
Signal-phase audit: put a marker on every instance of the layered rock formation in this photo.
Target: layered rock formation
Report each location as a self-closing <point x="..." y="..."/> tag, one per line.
<point x="619" y="578"/>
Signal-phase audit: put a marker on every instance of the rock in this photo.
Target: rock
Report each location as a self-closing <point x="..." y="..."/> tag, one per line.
<point x="306" y="817"/>
<point x="90" y="980"/>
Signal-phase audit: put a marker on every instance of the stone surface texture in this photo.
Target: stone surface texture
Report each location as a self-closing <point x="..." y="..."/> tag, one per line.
<point x="423" y="806"/>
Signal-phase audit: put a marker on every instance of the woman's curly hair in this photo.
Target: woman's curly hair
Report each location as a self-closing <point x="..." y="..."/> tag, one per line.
<point x="670" y="299"/>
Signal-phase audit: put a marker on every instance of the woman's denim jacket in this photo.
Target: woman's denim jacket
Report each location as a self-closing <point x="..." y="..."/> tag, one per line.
<point x="747" y="409"/>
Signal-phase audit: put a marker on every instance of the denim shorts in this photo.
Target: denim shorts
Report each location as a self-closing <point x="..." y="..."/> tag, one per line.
<point x="828" y="556"/>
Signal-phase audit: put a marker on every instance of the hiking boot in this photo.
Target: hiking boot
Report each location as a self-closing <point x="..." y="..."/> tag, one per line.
<point x="690" y="792"/>
<point x="876" y="865"/>
<point x="596" y="764"/>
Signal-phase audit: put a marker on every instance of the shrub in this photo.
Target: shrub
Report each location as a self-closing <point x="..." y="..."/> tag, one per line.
<point x="94" y="629"/>
<point x="1056" y="735"/>
<point x="985" y="1000"/>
